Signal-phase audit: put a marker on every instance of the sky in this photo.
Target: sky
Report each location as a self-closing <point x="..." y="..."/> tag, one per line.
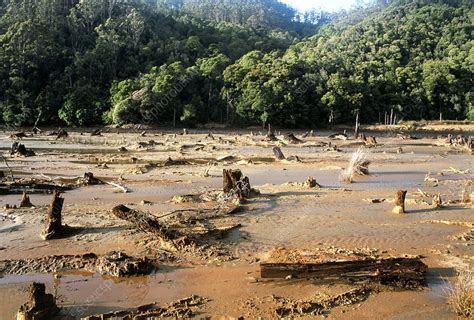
<point x="326" y="5"/>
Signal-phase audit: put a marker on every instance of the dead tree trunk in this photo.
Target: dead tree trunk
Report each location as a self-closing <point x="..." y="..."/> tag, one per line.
<point x="39" y="306"/>
<point x="278" y="153"/>
<point x="25" y="201"/>
<point x="53" y="227"/>
<point x="400" y="202"/>
<point x="145" y="222"/>
<point x="393" y="271"/>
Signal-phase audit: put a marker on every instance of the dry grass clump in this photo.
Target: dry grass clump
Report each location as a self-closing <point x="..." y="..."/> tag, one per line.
<point x="358" y="165"/>
<point x="460" y="294"/>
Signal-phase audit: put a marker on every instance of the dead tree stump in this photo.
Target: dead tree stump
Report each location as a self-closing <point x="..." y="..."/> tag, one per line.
<point x="437" y="202"/>
<point x="278" y="153"/>
<point x="53" y="227"/>
<point x="290" y="138"/>
<point x="61" y="134"/>
<point x="400" y="202"/>
<point x="235" y="183"/>
<point x="230" y="179"/>
<point x="371" y="141"/>
<point x="270" y="137"/>
<point x="40" y="305"/>
<point x="20" y="149"/>
<point x="25" y="201"/>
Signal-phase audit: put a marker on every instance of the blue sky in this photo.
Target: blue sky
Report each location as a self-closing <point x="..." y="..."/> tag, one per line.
<point x="331" y="5"/>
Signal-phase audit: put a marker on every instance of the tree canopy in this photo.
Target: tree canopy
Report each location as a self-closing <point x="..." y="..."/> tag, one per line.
<point x="83" y="62"/>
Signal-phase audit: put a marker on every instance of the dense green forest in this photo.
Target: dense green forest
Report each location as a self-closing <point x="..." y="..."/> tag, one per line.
<point x="84" y="62"/>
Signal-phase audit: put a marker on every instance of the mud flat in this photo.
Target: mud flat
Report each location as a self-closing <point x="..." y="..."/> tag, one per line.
<point x="156" y="230"/>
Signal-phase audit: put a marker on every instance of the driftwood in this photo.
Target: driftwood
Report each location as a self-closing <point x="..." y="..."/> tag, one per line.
<point x="25" y="201"/>
<point x="53" y="227"/>
<point x="40" y="305"/>
<point x="400" y="202"/>
<point x="390" y="271"/>
<point x="182" y="309"/>
<point x="145" y="222"/>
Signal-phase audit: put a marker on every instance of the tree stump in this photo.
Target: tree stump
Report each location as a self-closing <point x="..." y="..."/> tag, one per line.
<point x="400" y="202"/>
<point x="40" y="305"/>
<point x="25" y="201"/>
<point x="89" y="180"/>
<point x="362" y="137"/>
<point x="61" y="134"/>
<point x="371" y="141"/>
<point x="278" y="153"/>
<point x="53" y="227"/>
<point x="290" y="138"/>
<point x="20" y="149"/>
<point x="96" y="132"/>
<point x="437" y="202"/>
<point x="270" y="137"/>
<point x="230" y="179"/>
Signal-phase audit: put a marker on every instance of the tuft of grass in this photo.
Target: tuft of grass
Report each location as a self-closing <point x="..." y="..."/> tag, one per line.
<point x="460" y="294"/>
<point x="358" y="165"/>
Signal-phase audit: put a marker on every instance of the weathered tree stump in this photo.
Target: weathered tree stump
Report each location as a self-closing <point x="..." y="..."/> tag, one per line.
<point x="20" y="149"/>
<point x="235" y="183"/>
<point x="89" y="180"/>
<point x="371" y="141"/>
<point x="230" y="179"/>
<point x="311" y="183"/>
<point x="53" y="227"/>
<point x="25" y="201"/>
<point x="400" y="202"/>
<point x="278" y="154"/>
<point x="61" y="134"/>
<point x="290" y="138"/>
<point x="270" y="137"/>
<point x="362" y="137"/>
<point x="437" y="202"/>
<point x="40" y="305"/>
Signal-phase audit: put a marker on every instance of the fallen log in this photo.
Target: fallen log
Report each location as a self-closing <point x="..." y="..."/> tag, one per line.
<point x="399" y="272"/>
<point x="145" y="222"/>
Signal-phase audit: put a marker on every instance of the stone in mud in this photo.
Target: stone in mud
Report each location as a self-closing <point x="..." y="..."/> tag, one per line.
<point x="119" y="264"/>
<point x="40" y="305"/>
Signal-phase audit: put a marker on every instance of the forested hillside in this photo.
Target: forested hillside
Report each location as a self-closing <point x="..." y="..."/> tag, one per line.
<point x="241" y="62"/>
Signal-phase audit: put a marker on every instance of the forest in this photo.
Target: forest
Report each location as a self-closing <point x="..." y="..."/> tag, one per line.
<point x="249" y="62"/>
